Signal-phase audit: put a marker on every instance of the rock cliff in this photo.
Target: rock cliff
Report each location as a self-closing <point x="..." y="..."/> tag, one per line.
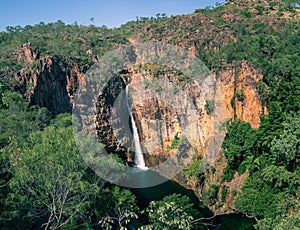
<point x="159" y="121"/>
<point x="46" y="81"/>
<point x="161" y="118"/>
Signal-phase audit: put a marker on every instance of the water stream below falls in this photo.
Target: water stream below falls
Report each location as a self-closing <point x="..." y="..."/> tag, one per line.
<point x="139" y="157"/>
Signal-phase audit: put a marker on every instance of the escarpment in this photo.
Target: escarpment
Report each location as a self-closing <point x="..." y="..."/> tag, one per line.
<point x="159" y="115"/>
<point x="49" y="81"/>
<point x="167" y="106"/>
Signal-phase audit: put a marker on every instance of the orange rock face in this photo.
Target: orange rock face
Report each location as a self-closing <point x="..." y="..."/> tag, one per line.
<point x="158" y="115"/>
<point x="27" y="54"/>
<point x="238" y="85"/>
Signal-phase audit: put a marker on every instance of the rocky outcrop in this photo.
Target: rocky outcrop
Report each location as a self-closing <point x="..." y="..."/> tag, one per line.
<point x="158" y="117"/>
<point x="162" y="113"/>
<point x="238" y="83"/>
<point x="48" y="81"/>
<point x="27" y="54"/>
<point x="48" y="86"/>
<point x="166" y="106"/>
<point x="109" y="132"/>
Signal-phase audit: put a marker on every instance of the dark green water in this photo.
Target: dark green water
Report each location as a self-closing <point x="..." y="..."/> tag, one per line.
<point x="146" y="194"/>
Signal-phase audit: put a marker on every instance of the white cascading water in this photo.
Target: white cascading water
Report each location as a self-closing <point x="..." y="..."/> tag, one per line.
<point x="139" y="157"/>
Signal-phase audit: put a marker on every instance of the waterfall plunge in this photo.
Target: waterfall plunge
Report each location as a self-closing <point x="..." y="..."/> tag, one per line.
<point x="139" y="158"/>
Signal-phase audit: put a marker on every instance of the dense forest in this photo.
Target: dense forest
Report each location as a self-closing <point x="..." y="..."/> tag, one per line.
<point x="44" y="183"/>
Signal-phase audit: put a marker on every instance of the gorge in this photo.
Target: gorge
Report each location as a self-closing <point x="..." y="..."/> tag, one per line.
<point x="213" y="141"/>
<point x="156" y="134"/>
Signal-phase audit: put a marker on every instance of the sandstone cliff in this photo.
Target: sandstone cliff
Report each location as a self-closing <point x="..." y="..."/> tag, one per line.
<point x="161" y="117"/>
<point x="46" y="81"/>
<point x="159" y="121"/>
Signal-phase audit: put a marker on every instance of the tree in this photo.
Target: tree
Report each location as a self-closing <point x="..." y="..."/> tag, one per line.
<point x="269" y="193"/>
<point x="239" y="144"/>
<point x="286" y="148"/>
<point x="48" y="186"/>
<point x="281" y="222"/>
<point x="120" y="209"/>
<point x="18" y="120"/>
<point x="196" y="171"/>
<point x="211" y="194"/>
<point x="173" y="212"/>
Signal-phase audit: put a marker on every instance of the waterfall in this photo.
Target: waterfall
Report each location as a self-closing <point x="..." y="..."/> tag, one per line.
<point x="139" y="157"/>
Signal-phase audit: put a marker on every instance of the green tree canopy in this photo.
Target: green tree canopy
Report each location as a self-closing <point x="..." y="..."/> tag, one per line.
<point x="172" y="212"/>
<point x="48" y="182"/>
<point x="286" y="148"/>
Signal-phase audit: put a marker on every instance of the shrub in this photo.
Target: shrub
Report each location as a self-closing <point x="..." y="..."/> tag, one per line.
<point x="212" y="193"/>
<point x="228" y="174"/>
<point x="247" y="13"/>
<point x="212" y="169"/>
<point x="224" y="193"/>
<point x="260" y="9"/>
<point x="238" y="145"/>
<point x="195" y="171"/>
<point x="233" y="192"/>
<point x="175" y="142"/>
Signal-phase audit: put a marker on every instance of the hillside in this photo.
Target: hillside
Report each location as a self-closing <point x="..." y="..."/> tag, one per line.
<point x="252" y="51"/>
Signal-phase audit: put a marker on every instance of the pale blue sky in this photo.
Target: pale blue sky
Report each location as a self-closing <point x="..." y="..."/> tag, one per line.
<point x="111" y="13"/>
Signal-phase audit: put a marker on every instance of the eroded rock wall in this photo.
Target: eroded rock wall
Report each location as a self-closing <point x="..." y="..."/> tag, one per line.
<point x="160" y="116"/>
<point x="47" y="81"/>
